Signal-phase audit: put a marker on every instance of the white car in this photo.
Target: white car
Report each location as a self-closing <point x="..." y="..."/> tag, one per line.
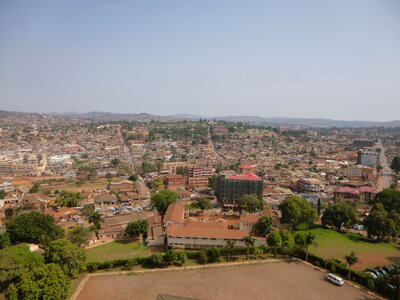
<point x="335" y="279"/>
<point x="358" y="227"/>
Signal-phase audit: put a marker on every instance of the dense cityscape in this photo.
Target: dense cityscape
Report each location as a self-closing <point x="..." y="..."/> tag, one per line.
<point x="92" y="195"/>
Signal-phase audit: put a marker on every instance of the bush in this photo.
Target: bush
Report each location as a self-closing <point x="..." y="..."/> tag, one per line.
<point x="202" y="257"/>
<point x="155" y="261"/>
<point x="213" y="255"/>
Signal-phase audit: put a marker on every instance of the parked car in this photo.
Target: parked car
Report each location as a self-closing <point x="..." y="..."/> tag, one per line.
<point x="388" y="268"/>
<point x="335" y="279"/>
<point x="358" y="227"/>
<point x="371" y="274"/>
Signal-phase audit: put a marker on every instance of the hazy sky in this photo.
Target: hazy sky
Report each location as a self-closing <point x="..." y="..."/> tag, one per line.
<point x="336" y="59"/>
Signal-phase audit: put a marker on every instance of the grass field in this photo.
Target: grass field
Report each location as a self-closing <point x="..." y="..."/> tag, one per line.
<point x="332" y="244"/>
<point x="116" y="250"/>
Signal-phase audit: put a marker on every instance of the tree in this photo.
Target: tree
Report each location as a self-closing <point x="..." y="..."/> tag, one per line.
<point x="137" y="229"/>
<point x="46" y="282"/>
<point x="230" y="245"/>
<point x="133" y="177"/>
<point x="94" y="217"/>
<point x="249" y="242"/>
<point x="390" y="199"/>
<point x="351" y="259"/>
<point x="15" y="261"/>
<point x="287" y="239"/>
<point x="296" y="211"/>
<point x="162" y="199"/>
<point x="262" y="227"/>
<point x="310" y="240"/>
<point x="33" y="227"/>
<point x="70" y="257"/>
<point x="78" y="235"/>
<point x="69" y="199"/>
<point x="4" y="240"/>
<point x="379" y="224"/>
<point x="395" y="166"/>
<point x="340" y="214"/>
<point x="2" y="194"/>
<point x="274" y="240"/>
<point x="35" y="188"/>
<point x="203" y="203"/>
<point x="251" y="203"/>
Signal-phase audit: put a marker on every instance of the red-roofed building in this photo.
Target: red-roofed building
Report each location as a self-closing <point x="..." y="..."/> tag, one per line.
<point x="362" y="194"/>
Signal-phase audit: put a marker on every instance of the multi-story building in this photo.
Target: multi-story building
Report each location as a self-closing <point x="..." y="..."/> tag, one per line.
<point x="311" y="185"/>
<point x="368" y="158"/>
<point x="174" y="180"/>
<point x="198" y="181"/>
<point x="231" y="188"/>
<point x="199" y="172"/>
<point x="354" y="170"/>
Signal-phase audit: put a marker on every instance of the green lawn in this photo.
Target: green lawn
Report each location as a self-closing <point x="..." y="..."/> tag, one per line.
<point x="332" y="244"/>
<point x="115" y="250"/>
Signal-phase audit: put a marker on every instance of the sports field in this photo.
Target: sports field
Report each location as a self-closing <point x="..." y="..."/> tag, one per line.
<point x="273" y="280"/>
<point x="332" y="244"/>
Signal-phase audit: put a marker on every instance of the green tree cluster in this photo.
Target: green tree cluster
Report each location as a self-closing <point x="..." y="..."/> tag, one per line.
<point x="297" y="211"/>
<point x="70" y="257"/>
<point x="263" y="226"/>
<point x="33" y="227"/>
<point x="46" y="282"/>
<point x="251" y="203"/>
<point x="16" y="261"/>
<point x="69" y="199"/>
<point x="340" y="214"/>
<point x="162" y="199"/>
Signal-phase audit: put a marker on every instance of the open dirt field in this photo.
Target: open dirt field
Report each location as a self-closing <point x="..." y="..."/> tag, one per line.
<point x="276" y="280"/>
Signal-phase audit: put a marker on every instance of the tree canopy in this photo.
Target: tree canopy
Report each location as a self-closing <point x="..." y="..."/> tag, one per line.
<point x="78" y="235"/>
<point x="46" y="282"/>
<point x="33" y="227"/>
<point x="162" y="199"/>
<point x="137" y="228"/>
<point x="262" y="227"/>
<point x="203" y="203"/>
<point x="67" y="255"/>
<point x="69" y="199"/>
<point x="296" y="211"/>
<point x="15" y="261"/>
<point x="340" y="214"/>
<point x="390" y="199"/>
<point x="379" y="223"/>
<point x="251" y="203"/>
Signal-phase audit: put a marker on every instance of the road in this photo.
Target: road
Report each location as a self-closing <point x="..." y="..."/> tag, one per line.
<point x="141" y="186"/>
<point x="385" y="177"/>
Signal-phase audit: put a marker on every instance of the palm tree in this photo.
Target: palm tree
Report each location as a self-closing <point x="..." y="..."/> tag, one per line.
<point x="309" y="240"/>
<point x="249" y="242"/>
<point x="351" y="259"/>
<point x="230" y="245"/>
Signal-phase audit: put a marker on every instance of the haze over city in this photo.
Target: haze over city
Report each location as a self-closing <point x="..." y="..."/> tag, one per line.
<point x="330" y="59"/>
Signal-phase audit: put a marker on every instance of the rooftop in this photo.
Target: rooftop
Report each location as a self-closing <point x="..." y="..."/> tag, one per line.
<point x="248" y="176"/>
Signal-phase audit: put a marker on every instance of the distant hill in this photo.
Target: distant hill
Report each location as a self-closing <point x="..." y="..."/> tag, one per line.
<point x="255" y="120"/>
